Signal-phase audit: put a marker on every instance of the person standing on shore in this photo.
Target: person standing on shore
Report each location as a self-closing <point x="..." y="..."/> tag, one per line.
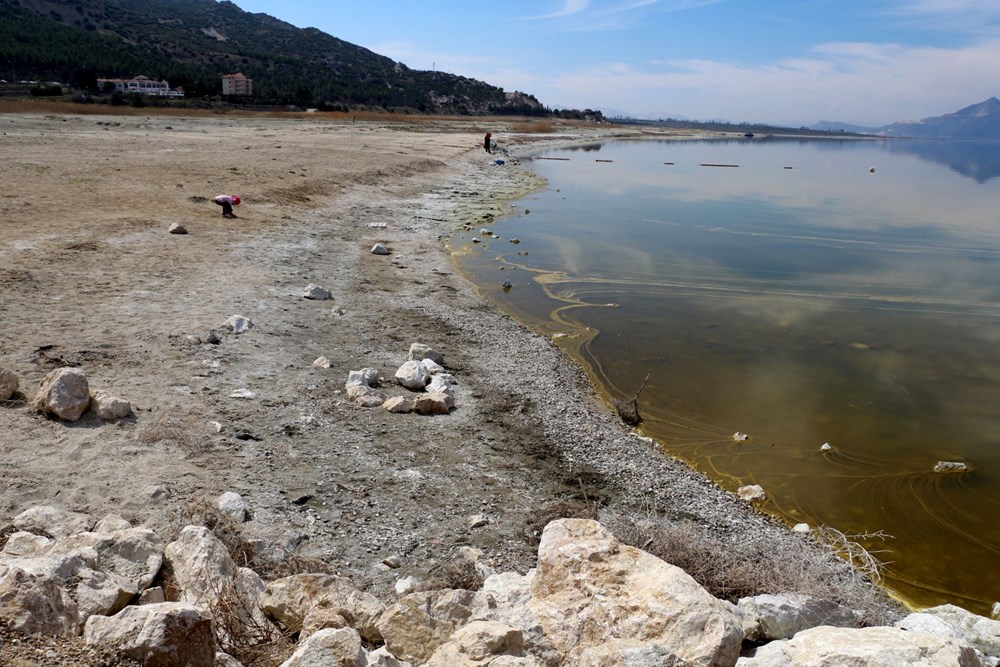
<point x="227" y="202"/>
<point x="486" y="142"/>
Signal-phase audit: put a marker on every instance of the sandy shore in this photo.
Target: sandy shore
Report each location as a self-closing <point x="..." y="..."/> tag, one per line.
<point x="90" y="277"/>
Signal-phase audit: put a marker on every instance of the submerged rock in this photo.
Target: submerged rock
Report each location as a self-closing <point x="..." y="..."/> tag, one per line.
<point x="950" y="466"/>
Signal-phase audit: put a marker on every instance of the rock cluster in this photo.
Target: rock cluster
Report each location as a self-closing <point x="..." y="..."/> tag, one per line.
<point x="590" y="602"/>
<point x="423" y="372"/>
<point x="65" y="394"/>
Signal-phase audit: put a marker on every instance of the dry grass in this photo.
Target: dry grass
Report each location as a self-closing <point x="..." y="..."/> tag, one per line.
<point x="733" y="571"/>
<point x="244" y="632"/>
<point x="163" y="429"/>
<point x="459" y="574"/>
<point x="539" y="127"/>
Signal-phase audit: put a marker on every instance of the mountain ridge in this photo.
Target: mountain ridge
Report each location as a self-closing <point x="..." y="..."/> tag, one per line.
<point x="976" y="121"/>
<point x="192" y="43"/>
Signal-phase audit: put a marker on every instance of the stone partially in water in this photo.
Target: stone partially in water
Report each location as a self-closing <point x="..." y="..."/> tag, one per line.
<point x="751" y="493"/>
<point x="950" y="466"/>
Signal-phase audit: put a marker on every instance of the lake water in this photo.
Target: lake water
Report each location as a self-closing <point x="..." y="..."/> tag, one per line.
<point x="803" y="299"/>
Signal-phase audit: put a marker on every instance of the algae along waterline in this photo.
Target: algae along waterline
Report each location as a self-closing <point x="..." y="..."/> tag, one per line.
<point x="836" y="300"/>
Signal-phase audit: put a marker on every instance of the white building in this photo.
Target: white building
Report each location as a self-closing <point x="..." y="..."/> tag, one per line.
<point x="237" y="84"/>
<point x="142" y="85"/>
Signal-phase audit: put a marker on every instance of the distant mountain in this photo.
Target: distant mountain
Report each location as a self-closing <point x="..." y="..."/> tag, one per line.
<point x="978" y="121"/>
<point x="192" y="43"/>
<point x="826" y="126"/>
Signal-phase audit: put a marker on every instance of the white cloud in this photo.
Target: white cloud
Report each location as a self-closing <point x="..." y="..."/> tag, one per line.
<point x="570" y="7"/>
<point x="852" y="82"/>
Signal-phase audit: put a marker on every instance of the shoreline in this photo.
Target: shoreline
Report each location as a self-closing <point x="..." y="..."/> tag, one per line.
<point x="98" y="278"/>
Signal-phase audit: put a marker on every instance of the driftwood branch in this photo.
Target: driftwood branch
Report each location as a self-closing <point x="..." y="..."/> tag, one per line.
<point x="629" y="410"/>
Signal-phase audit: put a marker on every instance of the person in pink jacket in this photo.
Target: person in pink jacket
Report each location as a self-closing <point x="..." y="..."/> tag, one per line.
<point x="227" y="202"/>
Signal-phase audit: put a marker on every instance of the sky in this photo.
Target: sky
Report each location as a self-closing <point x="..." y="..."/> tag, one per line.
<point x="788" y="62"/>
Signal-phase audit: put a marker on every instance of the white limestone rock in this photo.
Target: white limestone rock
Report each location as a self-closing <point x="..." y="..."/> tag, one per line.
<point x="504" y="598"/>
<point x="330" y="647"/>
<point x="803" y="528"/>
<point x="380" y="249"/>
<point x="406" y="585"/>
<point x="885" y="647"/>
<point x="64" y="393"/>
<point x="239" y="324"/>
<point x="108" y="407"/>
<point x="8" y="383"/>
<point x="134" y="555"/>
<point x="153" y="595"/>
<point x="289" y="600"/>
<point x="620" y="652"/>
<point x="316" y="293"/>
<point x="751" y="493"/>
<point x="199" y="563"/>
<point x="36" y="604"/>
<point x="366" y="377"/>
<point x="416" y="625"/>
<point x="413" y="375"/>
<point x="321" y="362"/>
<point x="949" y="621"/>
<point x="950" y="467"/>
<point x="478" y="643"/>
<point x="111" y="523"/>
<point x="365" y="396"/>
<point x="630" y="595"/>
<point x="770" y="617"/>
<point x="432" y="366"/>
<point x="442" y="383"/>
<point x="232" y="504"/>
<point x="399" y="404"/>
<point x="419" y="352"/>
<point x="53" y="521"/>
<point x="433" y="403"/>
<point x="170" y="634"/>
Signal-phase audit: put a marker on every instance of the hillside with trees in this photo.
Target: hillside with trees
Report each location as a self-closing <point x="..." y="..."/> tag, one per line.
<point x="192" y="43"/>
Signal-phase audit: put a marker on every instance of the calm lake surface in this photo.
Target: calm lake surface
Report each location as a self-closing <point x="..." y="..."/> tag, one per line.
<point x="799" y="298"/>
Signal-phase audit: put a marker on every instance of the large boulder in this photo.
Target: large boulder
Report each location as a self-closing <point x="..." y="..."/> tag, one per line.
<point x="949" y="621"/>
<point x="332" y="647"/>
<point x="629" y="595"/>
<point x="413" y="375"/>
<point x="618" y="652"/>
<point x="478" y="643"/>
<point x="200" y="564"/>
<point x="415" y="626"/>
<point x="504" y="598"/>
<point x="75" y="564"/>
<point x="290" y="600"/>
<point x="36" y="604"/>
<point x="64" y="393"/>
<point x="885" y="647"/>
<point x="770" y="617"/>
<point x="52" y="521"/>
<point x="170" y="634"/>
